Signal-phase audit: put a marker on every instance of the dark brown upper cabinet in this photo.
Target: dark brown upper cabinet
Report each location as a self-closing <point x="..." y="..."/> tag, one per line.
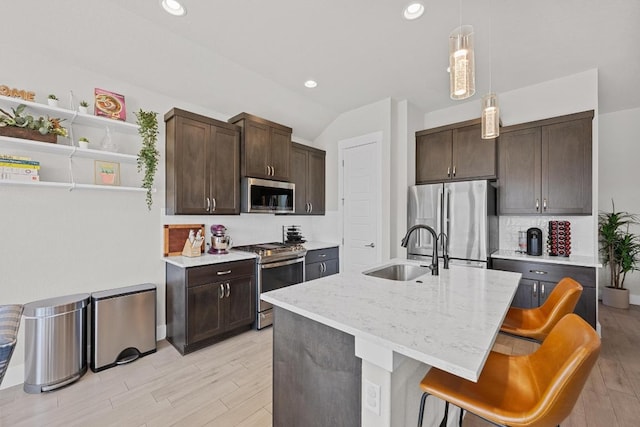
<point x="545" y="166"/>
<point x="454" y="153"/>
<point x="308" y="174"/>
<point x="265" y="147"/>
<point x="202" y="165"/>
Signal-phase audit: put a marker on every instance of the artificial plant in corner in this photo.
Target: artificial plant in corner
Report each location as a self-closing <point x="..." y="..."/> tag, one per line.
<point x="620" y="248"/>
<point x="149" y="155"/>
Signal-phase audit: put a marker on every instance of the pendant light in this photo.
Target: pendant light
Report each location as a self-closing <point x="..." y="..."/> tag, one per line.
<point x="462" y="80"/>
<point x="490" y="110"/>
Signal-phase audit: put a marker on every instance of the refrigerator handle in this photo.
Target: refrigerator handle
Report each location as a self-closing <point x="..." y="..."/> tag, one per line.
<point x="439" y="213"/>
<point x="447" y="217"/>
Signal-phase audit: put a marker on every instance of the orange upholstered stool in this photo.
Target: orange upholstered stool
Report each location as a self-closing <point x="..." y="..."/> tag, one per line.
<point x="537" y="389"/>
<point x="536" y="323"/>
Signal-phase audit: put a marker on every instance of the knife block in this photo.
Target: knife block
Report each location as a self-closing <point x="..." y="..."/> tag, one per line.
<point x="190" y="251"/>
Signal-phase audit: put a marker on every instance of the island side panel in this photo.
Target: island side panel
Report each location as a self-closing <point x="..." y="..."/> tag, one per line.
<point x="316" y="375"/>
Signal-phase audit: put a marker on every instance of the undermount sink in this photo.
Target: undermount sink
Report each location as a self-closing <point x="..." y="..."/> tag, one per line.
<point x="400" y="272"/>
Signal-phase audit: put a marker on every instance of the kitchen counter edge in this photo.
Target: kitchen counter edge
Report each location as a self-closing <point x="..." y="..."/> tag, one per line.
<point x="312" y="245"/>
<point x="577" y="260"/>
<point x="208" y="259"/>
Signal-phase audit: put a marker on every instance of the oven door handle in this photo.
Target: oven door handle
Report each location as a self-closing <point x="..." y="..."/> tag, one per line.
<point x="281" y="263"/>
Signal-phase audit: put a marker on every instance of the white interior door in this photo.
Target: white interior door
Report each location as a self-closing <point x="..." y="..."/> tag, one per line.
<point x="361" y="195"/>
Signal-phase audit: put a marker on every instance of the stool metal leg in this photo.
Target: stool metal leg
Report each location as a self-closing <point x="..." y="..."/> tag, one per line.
<point x="443" y="423"/>
<point x="461" y="416"/>
<point x="421" y="414"/>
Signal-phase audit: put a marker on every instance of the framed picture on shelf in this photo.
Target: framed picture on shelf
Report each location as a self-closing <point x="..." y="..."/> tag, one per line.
<point x="110" y="104"/>
<point x="107" y="173"/>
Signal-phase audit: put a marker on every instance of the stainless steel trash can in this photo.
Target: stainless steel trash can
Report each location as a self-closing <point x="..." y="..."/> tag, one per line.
<point x="55" y="342"/>
<point x="123" y="325"/>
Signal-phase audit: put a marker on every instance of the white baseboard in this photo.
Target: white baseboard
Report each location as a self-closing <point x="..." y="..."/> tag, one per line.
<point x="15" y="374"/>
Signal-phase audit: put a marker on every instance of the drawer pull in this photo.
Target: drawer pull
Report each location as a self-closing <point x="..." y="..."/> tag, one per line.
<point x="537" y="272"/>
<point x="222" y="273"/>
<point x="322" y="255"/>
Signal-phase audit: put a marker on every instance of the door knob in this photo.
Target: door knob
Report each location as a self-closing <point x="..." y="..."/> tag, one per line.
<point x="370" y="245"/>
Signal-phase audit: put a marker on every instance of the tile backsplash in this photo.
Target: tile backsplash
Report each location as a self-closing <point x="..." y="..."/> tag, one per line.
<point x="583" y="231"/>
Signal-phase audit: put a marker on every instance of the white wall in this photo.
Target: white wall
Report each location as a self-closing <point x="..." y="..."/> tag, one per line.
<point x="619" y="175"/>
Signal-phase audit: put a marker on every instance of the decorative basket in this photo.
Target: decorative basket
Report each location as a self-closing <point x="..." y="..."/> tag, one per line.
<point x="16" y="132"/>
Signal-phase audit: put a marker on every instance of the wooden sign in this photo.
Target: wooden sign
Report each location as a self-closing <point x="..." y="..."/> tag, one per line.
<point x="17" y="93"/>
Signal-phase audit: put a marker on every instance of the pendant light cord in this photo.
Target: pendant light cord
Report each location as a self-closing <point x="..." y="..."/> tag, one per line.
<point x="490" y="42"/>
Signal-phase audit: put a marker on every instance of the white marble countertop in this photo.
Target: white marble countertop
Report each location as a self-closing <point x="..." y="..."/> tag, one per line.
<point x="208" y="259"/>
<point x="312" y="245"/>
<point x="448" y="321"/>
<point x="577" y="260"/>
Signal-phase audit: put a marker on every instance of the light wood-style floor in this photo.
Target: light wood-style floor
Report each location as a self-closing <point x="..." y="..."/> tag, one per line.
<point x="229" y="384"/>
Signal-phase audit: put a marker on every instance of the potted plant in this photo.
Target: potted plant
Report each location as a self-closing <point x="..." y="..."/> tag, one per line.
<point x="18" y="124"/>
<point x="83" y="142"/>
<point x="83" y="107"/>
<point x="620" y="250"/>
<point x="52" y="100"/>
<point x="149" y="155"/>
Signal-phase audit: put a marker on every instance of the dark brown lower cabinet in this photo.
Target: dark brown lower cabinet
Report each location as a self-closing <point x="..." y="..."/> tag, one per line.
<point x="539" y="279"/>
<point x="321" y="263"/>
<point x="209" y="303"/>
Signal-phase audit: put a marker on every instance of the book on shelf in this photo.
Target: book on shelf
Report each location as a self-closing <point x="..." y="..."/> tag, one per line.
<point x="19" y="170"/>
<point x="19" y="177"/>
<point x="19" y="162"/>
<point x="12" y="157"/>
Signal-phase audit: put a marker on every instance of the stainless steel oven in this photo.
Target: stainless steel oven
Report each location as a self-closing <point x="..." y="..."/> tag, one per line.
<point x="272" y="276"/>
<point x="279" y="265"/>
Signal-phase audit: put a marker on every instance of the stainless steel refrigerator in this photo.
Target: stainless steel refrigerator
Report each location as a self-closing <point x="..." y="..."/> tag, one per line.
<point x="464" y="211"/>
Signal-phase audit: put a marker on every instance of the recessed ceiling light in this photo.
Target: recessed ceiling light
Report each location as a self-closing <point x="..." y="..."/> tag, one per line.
<point x="173" y="7"/>
<point x="311" y="84"/>
<point x="414" y="10"/>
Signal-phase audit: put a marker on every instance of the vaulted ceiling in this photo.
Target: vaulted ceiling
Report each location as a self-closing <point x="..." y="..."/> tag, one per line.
<point x="254" y="55"/>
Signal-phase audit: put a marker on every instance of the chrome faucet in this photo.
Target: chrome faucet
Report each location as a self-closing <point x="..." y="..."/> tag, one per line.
<point x="445" y="250"/>
<point x="434" y="254"/>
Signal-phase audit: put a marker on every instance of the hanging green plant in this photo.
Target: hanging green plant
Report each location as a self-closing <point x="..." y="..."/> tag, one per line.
<point x="149" y="155"/>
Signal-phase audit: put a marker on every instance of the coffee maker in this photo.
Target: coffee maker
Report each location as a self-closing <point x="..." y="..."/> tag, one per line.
<point x="534" y="241"/>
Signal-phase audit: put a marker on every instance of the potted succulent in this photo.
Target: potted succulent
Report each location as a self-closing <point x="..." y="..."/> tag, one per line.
<point x="620" y="250"/>
<point x="52" y="100"/>
<point x="18" y="124"/>
<point x="83" y="142"/>
<point x="149" y="155"/>
<point x="83" y="107"/>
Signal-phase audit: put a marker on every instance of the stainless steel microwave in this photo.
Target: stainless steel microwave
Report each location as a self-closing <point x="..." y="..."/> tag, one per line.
<point x="266" y="196"/>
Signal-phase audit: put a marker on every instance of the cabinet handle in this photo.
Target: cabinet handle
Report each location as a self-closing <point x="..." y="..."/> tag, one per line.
<point x="537" y="205"/>
<point x="310" y="207"/>
<point x="228" y="290"/>
<point x="306" y="207"/>
<point x="454" y="171"/>
<point x="542" y="290"/>
<point x="322" y="255"/>
<point x="324" y="267"/>
<point x="537" y="271"/>
<point x="222" y="273"/>
<point x="449" y="171"/>
<point x="214" y="204"/>
<point x="535" y="289"/>
<point x="273" y="171"/>
<point x="544" y="204"/>
<point x="208" y="204"/>
<point x="370" y="245"/>
<point x="268" y="170"/>
<point x="221" y="291"/>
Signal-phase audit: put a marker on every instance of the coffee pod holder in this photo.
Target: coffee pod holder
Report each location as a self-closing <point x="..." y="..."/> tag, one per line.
<point x="559" y="238"/>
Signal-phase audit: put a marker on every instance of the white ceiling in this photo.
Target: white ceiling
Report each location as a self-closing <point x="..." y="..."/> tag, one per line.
<point x="254" y="55"/>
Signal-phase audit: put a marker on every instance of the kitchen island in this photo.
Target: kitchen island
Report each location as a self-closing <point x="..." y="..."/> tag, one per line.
<point x="351" y="349"/>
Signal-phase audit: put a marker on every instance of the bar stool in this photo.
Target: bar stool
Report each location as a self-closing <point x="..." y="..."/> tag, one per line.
<point x="536" y="323"/>
<point x="9" y="324"/>
<point x="537" y="389"/>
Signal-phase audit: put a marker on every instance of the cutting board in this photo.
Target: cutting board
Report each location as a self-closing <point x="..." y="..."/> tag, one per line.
<point x="176" y="234"/>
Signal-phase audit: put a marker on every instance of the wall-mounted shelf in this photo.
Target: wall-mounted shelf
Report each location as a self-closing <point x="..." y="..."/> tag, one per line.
<point x="72" y="186"/>
<point x="45" y="147"/>
<point x="72" y="117"/>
